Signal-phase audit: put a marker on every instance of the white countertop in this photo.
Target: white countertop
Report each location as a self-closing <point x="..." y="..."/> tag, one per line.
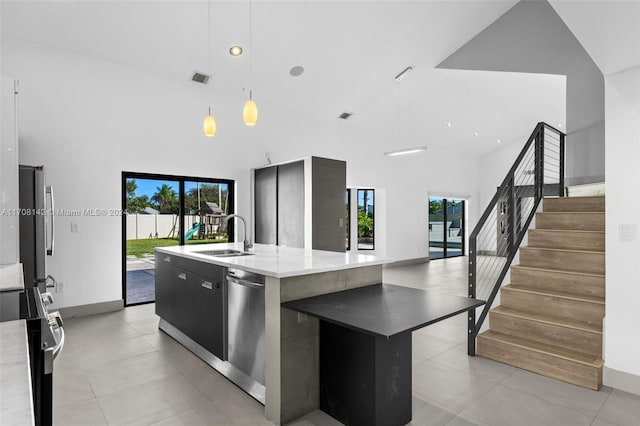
<point x="16" y="406"/>
<point x="11" y="277"/>
<point x="277" y="261"/>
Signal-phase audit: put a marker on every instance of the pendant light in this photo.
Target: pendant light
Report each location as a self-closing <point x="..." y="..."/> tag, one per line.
<point x="411" y="150"/>
<point x="250" y="111"/>
<point x="209" y="125"/>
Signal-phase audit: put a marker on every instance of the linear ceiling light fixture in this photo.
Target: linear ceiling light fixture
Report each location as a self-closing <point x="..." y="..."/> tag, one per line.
<point x="404" y="73"/>
<point x="406" y="151"/>
<point x="250" y="111"/>
<point x="209" y="124"/>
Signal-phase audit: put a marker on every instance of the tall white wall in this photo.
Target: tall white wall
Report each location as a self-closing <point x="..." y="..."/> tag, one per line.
<point x="622" y="325"/>
<point x="88" y="120"/>
<point x="531" y="37"/>
<point x="495" y="165"/>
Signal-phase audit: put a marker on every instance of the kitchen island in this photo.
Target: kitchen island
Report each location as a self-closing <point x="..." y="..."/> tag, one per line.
<point x="291" y="340"/>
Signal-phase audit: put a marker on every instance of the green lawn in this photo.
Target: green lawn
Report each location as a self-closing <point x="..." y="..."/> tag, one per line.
<point x="144" y="246"/>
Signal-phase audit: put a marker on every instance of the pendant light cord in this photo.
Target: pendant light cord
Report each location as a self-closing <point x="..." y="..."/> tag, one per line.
<point x="399" y="141"/>
<point x="409" y="102"/>
<point x="250" y="45"/>
<point x="209" y="38"/>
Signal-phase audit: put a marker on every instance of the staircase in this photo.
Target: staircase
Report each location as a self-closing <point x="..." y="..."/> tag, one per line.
<point x="550" y="317"/>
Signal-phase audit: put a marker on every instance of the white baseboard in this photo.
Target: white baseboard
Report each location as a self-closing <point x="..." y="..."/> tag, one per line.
<point x="91" y="309"/>
<point x="622" y="380"/>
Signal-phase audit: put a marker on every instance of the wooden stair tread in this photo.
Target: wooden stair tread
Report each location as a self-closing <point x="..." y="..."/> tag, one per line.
<point x="582" y="197"/>
<point x="553" y="350"/>
<point x="557" y="250"/>
<point x="576" y="231"/>
<point x="559" y="271"/>
<point x="576" y="196"/>
<point x="570" y="213"/>
<point x="555" y="293"/>
<point x="548" y="319"/>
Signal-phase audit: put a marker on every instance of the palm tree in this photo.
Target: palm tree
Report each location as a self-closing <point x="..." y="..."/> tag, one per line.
<point x="166" y="199"/>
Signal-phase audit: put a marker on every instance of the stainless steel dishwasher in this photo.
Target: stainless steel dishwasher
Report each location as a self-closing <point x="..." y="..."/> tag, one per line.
<point x="245" y="322"/>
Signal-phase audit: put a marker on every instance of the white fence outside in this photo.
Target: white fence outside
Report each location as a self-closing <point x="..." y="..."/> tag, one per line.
<point x="156" y="225"/>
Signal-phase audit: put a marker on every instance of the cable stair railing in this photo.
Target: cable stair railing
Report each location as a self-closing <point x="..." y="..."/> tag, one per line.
<point x="537" y="172"/>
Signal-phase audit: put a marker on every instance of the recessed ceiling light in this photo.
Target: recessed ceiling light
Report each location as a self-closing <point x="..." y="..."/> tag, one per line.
<point x="476" y="133"/>
<point x="449" y="124"/>
<point x="296" y="71"/>
<point x="499" y="141"/>
<point x="235" y="50"/>
<point x="560" y="125"/>
<point x="405" y="151"/>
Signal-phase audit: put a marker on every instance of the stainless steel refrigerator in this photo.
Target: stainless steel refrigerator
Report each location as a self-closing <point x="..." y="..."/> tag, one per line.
<point x="36" y="226"/>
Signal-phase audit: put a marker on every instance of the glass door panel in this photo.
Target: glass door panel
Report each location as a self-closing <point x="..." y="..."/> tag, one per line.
<point x="436" y="228"/>
<point x="366" y="219"/>
<point x="455" y="229"/>
<point x="205" y="205"/>
<point x="446" y="228"/>
<point x="153" y="210"/>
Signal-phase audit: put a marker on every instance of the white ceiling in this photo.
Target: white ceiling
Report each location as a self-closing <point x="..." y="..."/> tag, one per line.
<point x="351" y="51"/>
<point x="608" y="30"/>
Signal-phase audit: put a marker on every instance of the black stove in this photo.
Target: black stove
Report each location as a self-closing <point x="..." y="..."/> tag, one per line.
<point x="46" y="339"/>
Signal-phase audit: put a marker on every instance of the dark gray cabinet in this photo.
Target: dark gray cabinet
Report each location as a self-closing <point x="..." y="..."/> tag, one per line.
<point x="190" y="297"/>
<point x="184" y="297"/>
<point x="291" y="212"/>
<point x="164" y="277"/>
<point x="266" y="202"/>
<point x="209" y="312"/>
<point x="328" y="189"/>
<point x="301" y="204"/>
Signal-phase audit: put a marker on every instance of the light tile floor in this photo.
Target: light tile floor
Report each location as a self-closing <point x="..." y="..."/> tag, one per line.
<point x="118" y="369"/>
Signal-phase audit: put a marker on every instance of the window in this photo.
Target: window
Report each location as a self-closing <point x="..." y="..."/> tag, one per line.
<point x="348" y="220"/>
<point x="446" y="228"/>
<point x="366" y="219"/>
<point x="164" y="210"/>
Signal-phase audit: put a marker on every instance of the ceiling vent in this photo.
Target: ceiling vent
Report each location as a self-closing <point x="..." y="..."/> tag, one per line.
<point x="200" y="77"/>
<point x="345" y="115"/>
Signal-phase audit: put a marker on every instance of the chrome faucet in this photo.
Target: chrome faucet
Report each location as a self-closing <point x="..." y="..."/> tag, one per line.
<point x="247" y="243"/>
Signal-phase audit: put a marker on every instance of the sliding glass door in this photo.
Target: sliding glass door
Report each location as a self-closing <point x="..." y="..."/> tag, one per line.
<point x="446" y="228"/>
<point x="162" y="211"/>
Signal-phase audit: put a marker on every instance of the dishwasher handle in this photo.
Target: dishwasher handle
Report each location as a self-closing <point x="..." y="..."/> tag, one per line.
<point x="245" y="283"/>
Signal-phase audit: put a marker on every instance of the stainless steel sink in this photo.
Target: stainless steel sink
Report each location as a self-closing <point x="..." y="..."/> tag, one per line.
<point x="223" y="253"/>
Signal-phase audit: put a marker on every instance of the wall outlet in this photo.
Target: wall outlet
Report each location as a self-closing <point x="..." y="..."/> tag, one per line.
<point x="626" y="232"/>
<point x="302" y="317"/>
<point x="59" y="286"/>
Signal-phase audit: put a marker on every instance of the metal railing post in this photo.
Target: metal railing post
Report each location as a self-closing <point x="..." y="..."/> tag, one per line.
<point x="537" y="162"/>
<point x="511" y="211"/>
<point x="471" y="319"/>
<point x="561" y="177"/>
<point x="542" y="161"/>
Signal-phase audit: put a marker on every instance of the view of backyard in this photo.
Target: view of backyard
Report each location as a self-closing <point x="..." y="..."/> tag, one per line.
<point x="154" y="220"/>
